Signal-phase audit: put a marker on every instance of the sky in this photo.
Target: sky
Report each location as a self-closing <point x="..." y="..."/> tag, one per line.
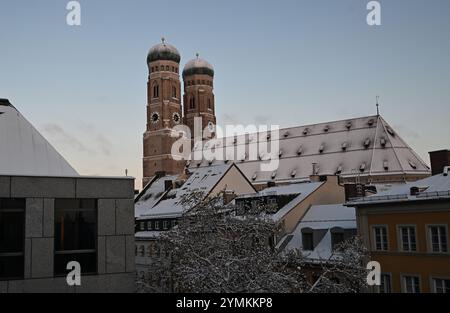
<point x="286" y="62"/>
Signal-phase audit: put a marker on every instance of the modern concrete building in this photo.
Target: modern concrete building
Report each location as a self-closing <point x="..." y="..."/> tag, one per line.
<point x="50" y="216"/>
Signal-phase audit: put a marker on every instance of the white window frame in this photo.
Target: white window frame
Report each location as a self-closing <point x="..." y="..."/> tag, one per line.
<point x="433" y="283"/>
<point x="400" y="237"/>
<point x="165" y="225"/>
<point x="430" y="240"/>
<point x="157" y="225"/>
<point x="149" y="225"/>
<point x="403" y="282"/>
<point x="374" y="238"/>
<point x="142" y="226"/>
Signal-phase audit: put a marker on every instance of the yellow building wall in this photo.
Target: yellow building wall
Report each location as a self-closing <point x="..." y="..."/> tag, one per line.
<point x="422" y="263"/>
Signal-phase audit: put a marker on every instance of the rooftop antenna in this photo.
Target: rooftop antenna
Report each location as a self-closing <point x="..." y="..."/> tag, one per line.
<point x="378" y="106"/>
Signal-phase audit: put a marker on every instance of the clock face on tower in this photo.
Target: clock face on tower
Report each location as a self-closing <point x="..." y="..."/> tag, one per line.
<point x="155" y="117"/>
<point x="176" y="118"/>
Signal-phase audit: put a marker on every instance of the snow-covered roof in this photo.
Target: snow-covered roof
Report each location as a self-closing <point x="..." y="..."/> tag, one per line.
<point x="437" y="186"/>
<point x="24" y="151"/>
<point x="170" y="205"/>
<point x="320" y="217"/>
<point x="366" y="146"/>
<point x="300" y="190"/>
<point x="151" y="194"/>
<point x="148" y="234"/>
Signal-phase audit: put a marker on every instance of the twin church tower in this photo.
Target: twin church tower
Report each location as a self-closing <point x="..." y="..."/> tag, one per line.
<point x="165" y="109"/>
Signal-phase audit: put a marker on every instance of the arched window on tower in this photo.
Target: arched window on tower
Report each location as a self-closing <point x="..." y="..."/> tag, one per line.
<point x="155" y="91"/>
<point x="192" y="103"/>
<point x="209" y="104"/>
<point x="174" y="92"/>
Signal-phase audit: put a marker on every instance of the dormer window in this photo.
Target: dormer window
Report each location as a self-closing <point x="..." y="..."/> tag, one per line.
<point x="306" y="131"/>
<point x="348" y="125"/>
<point x="286" y="134"/>
<point x="293" y="173"/>
<point x="339" y="170"/>
<point x="386" y="165"/>
<point x="321" y="148"/>
<point x="274" y="174"/>
<point x="390" y="131"/>
<point x="255" y="176"/>
<point x="344" y="146"/>
<point x="300" y="150"/>
<point x="280" y="153"/>
<point x="367" y="143"/>
<point x="383" y="142"/>
<point x="362" y="168"/>
<point x="371" y="122"/>
<point x="326" y="128"/>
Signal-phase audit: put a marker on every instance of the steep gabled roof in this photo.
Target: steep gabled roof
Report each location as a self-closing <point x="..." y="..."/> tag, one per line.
<point x="366" y="146"/>
<point x="24" y="151"/>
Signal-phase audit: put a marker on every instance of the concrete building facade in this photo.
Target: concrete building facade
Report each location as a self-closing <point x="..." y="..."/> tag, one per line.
<point x="47" y="222"/>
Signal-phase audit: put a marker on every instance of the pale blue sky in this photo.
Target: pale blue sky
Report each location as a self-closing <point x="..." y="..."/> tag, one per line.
<point x="283" y="62"/>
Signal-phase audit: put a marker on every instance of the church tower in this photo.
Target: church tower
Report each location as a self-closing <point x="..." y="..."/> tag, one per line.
<point x="198" y="100"/>
<point x="163" y="111"/>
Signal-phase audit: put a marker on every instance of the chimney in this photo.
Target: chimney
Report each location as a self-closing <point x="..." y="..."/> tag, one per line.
<point x="354" y="191"/>
<point x="439" y="160"/>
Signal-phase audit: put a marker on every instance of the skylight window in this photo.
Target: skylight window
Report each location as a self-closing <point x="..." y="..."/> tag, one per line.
<point x="348" y="125"/>
<point x="293" y="173"/>
<point x="383" y="142"/>
<point x="344" y="146"/>
<point x="367" y="143"/>
<point x="306" y="131"/>
<point x="386" y="165"/>
<point x="300" y="150"/>
<point x="326" y="128"/>
<point x="286" y="134"/>
<point x="280" y="153"/>
<point x="339" y="170"/>
<point x="321" y="148"/>
<point x="362" y="168"/>
<point x="390" y="131"/>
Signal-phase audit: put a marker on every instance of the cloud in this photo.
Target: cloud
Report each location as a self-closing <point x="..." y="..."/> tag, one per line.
<point x="60" y="135"/>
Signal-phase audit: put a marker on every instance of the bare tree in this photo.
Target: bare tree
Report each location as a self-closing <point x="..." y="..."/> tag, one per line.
<point x="217" y="248"/>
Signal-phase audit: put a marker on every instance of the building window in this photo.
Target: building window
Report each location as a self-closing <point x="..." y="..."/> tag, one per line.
<point x="142" y="226"/>
<point x="337" y="238"/>
<point x="167" y="68"/>
<point x="149" y="225"/>
<point x="173" y="223"/>
<point x="155" y="91"/>
<point x="152" y="70"/>
<point x="438" y="238"/>
<point x="192" y="103"/>
<point x="157" y="68"/>
<point x="157" y="225"/>
<point x="209" y="104"/>
<point x="12" y="230"/>
<point x="385" y="286"/>
<point x="166" y="225"/>
<point x="142" y="250"/>
<point x="174" y="92"/>
<point x="135" y="250"/>
<point x="173" y="69"/>
<point x="408" y="238"/>
<point x="75" y="234"/>
<point x="411" y="284"/>
<point x="149" y="251"/>
<point x="381" y="238"/>
<point x="441" y="285"/>
<point x="307" y="241"/>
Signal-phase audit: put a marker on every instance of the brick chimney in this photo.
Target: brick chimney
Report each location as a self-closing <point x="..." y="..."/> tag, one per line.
<point x="439" y="159"/>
